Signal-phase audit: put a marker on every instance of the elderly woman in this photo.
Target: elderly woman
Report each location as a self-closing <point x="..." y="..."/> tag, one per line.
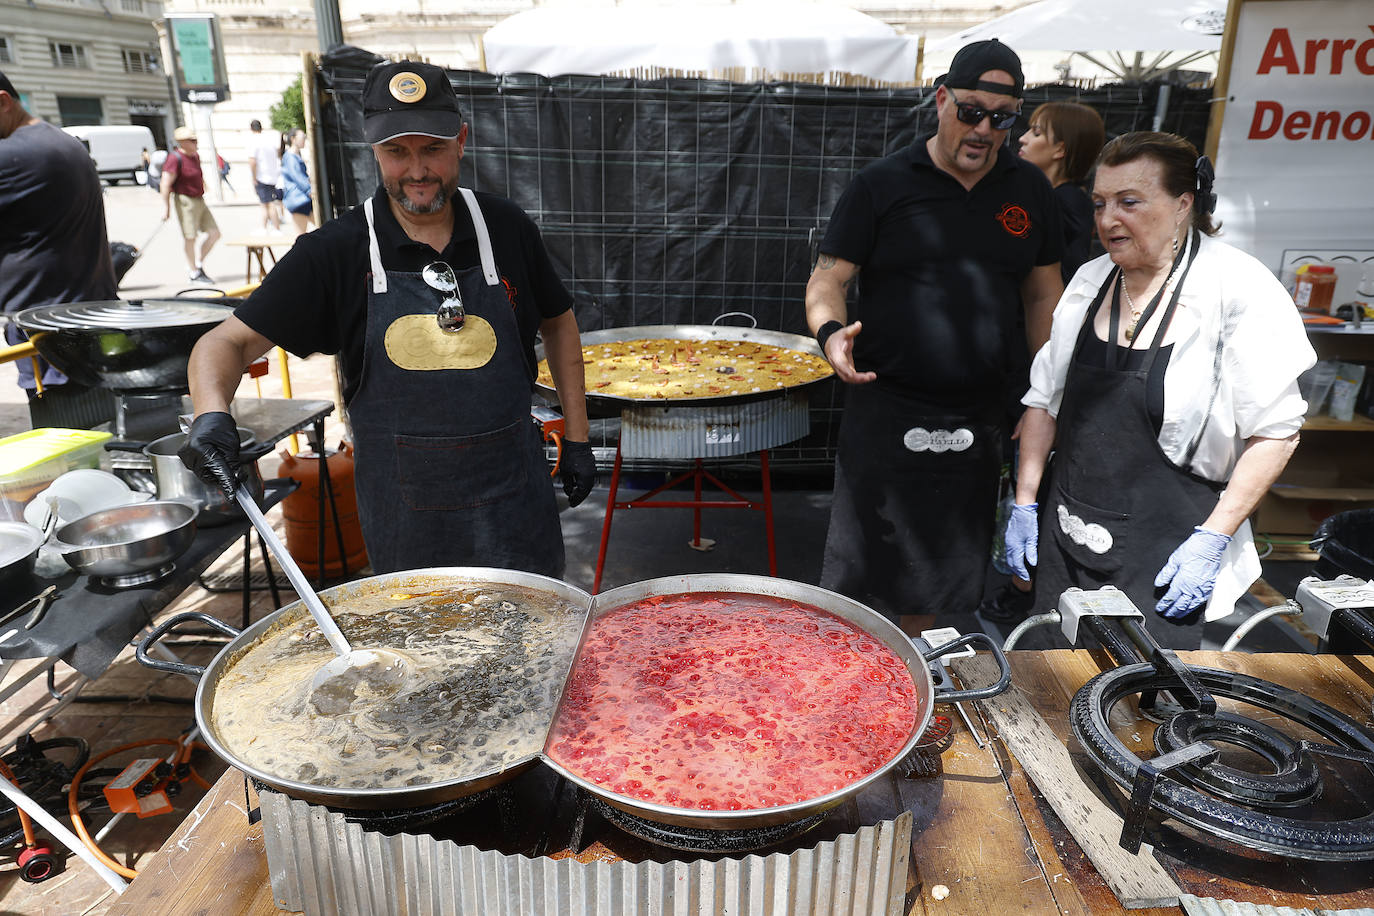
<point x="1168" y="394"/>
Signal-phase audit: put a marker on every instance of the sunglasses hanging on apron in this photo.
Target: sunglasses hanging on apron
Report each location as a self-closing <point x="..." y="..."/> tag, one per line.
<point x="450" y="469"/>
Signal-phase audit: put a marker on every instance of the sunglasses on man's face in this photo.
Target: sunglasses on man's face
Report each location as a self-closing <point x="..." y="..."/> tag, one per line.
<point x="1000" y="118"/>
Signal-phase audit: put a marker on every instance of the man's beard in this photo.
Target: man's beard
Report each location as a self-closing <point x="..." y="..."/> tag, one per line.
<point x="396" y="190"/>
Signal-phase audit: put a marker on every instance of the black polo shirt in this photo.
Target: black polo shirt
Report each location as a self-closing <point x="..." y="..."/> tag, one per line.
<point x="315" y="299"/>
<point x="939" y="293"/>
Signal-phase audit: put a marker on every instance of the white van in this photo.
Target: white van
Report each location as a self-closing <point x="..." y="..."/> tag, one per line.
<point x="117" y="150"/>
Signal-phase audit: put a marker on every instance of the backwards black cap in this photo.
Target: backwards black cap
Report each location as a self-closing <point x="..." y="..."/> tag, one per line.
<point x="978" y="58"/>
<point x="408" y="97"/>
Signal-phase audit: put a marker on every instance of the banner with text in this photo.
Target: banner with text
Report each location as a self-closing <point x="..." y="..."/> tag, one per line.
<point x="1295" y="156"/>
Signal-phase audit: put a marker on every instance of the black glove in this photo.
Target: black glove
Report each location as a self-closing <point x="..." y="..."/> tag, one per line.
<point x="212" y="450"/>
<point x="578" y="470"/>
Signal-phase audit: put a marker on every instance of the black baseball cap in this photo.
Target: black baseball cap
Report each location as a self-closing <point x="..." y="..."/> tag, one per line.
<point x="973" y="60"/>
<point x="408" y="97"/>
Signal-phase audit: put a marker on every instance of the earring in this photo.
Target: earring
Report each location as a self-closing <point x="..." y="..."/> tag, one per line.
<point x="1175" y="251"/>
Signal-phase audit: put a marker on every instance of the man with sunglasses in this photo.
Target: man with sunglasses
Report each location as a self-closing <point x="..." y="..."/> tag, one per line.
<point x="432" y="296"/>
<point x="953" y="244"/>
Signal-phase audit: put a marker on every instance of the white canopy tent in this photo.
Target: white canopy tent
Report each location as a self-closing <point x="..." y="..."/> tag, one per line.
<point x="1132" y="39"/>
<point x="755" y="39"/>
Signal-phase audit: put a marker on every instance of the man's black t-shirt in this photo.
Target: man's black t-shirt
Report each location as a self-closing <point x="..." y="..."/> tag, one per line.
<point x="315" y="299"/>
<point x="53" y="246"/>
<point x="942" y="267"/>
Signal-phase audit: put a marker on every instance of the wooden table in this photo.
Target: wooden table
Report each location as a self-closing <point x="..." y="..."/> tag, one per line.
<point x="982" y="832"/>
<point x="256" y="246"/>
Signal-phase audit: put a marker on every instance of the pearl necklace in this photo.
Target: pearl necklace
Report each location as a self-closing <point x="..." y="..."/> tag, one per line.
<point x="1130" y="303"/>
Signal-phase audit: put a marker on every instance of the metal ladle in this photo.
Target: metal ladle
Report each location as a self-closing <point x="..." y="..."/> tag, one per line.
<point x="380" y="669"/>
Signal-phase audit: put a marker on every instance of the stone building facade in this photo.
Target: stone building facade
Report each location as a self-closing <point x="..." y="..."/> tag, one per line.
<point x="88" y="62"/>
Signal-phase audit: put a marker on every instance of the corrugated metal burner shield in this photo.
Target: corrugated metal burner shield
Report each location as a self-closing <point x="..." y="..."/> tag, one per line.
<point x="320" y="863"/>
<point x="713" y="431"/>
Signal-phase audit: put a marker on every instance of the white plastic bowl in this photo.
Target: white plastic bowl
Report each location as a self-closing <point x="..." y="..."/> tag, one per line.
<point x="80" y="492"/>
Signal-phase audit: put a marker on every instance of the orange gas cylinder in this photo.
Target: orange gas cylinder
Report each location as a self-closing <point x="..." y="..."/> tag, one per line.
<point x="302" y="512"/>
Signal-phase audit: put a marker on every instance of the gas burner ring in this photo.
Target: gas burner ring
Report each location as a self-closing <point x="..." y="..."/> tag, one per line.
<point x="1334" y="841"/>
<point x="1295" y="780"/>
<point x="702" y="839"/>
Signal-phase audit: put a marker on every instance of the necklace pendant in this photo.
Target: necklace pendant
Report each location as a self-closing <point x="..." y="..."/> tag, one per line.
<point x="1130" y="332"/>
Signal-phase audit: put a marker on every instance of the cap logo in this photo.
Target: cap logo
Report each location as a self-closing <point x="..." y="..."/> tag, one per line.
<point x="407" y="87"/>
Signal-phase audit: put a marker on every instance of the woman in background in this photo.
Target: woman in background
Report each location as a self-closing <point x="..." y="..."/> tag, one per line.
<point x="296" y="180"/>
<point x="1063" y="142"/>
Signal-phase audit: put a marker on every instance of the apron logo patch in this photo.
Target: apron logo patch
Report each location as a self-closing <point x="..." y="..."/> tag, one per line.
<point x="1015" y="220"/>
<point x="937" y="440"/>
<point x="415" y="343"/>
<point x="1085" y="534"/>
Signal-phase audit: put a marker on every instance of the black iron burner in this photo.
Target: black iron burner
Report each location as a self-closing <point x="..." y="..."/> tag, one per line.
<point x="700" y="839"/>
<point x="391" y="821"/>
<point x="1187" y="780"/>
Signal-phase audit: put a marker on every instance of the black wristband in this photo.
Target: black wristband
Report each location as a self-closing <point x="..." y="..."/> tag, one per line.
<point x="830" y="327"/>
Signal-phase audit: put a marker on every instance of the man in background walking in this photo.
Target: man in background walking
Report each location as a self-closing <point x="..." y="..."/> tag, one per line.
<point x="264" y="161"/>
<point x="183" y="180"/>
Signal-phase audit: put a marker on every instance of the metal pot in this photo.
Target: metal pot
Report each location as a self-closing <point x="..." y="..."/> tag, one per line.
<point x="176" y="481"/>
<point x="128" y="545"/>
<point x="19" y="544"/>
<point x="861" y="616"/>
<point x="361" y="799"/>
<point x="124" y="345"/>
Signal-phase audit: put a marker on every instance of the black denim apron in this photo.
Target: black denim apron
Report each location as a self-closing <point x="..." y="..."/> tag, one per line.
<point x="915" y="499"/>
<point x="450" y="468"/>
<point x="1116" y="506"/>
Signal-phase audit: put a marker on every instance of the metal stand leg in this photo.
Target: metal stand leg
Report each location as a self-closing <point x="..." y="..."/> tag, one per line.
<point x="606" y="525"/>
<point x="768" y="513"/>
<point x="696" y="498"/>
<point x="271" y="576"/>
<point x="326" y="491"/>
<point x="247" y="576"/>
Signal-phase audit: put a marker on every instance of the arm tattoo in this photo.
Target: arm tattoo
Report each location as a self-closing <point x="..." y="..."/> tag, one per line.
<point x="850" y="282"/>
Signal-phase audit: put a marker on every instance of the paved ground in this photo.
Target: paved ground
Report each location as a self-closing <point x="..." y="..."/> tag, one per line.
<point x="643" y="543"/>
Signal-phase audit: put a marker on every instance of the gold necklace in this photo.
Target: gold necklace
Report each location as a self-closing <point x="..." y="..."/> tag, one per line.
<point x="1130" y="303"/>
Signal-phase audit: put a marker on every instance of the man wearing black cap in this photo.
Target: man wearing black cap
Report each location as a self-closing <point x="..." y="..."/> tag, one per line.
<point x="432" y="296"/>
<point x="53" y="245"/>
<point x="954" y="244"/>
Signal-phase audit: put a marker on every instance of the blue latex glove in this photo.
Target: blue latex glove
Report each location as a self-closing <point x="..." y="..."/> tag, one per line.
<point x="1022" y="539"/>
<point x="1191" y="572"/>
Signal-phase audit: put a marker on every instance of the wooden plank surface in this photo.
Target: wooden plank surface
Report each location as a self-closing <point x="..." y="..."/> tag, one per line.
<point x="1137" y="880"/>
<point x="213" y="864"/>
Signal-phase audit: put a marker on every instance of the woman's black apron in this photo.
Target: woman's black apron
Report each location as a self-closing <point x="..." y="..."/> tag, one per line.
<point x="1116" y="506"/>
<point x="915" y="499"/>
<point x="450" y="468"/>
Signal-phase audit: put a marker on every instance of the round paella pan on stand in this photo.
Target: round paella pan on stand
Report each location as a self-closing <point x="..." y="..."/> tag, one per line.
<point x="602" y="404"/>
<point x="529" y="664"/>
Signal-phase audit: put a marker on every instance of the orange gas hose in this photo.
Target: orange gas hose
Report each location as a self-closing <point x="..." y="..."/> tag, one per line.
<point x="183" y="754"/>
<point x="558" y="457"/>
<point x="24" y="822"/>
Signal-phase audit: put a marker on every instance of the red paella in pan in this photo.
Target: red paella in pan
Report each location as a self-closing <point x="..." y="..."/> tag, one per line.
<point x="730" y="701"/>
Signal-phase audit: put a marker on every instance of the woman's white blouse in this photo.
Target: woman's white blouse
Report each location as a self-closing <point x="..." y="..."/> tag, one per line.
<point x="1265" y="349"/>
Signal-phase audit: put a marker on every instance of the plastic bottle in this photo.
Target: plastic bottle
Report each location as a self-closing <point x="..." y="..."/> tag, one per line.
<point x="1314" y="288"/>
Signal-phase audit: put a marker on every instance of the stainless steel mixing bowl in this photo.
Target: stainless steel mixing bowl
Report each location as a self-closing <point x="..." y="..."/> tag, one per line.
<point x="129" y="545"/>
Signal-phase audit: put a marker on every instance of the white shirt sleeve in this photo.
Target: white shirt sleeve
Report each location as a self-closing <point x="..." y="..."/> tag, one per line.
<point x="1050" y="368"/>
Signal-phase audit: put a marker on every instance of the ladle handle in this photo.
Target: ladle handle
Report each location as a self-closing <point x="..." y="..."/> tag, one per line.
<point x="293" y="572"/>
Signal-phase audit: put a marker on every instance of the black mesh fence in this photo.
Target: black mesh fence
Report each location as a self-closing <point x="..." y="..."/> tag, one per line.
<point x="677" y="201"/>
